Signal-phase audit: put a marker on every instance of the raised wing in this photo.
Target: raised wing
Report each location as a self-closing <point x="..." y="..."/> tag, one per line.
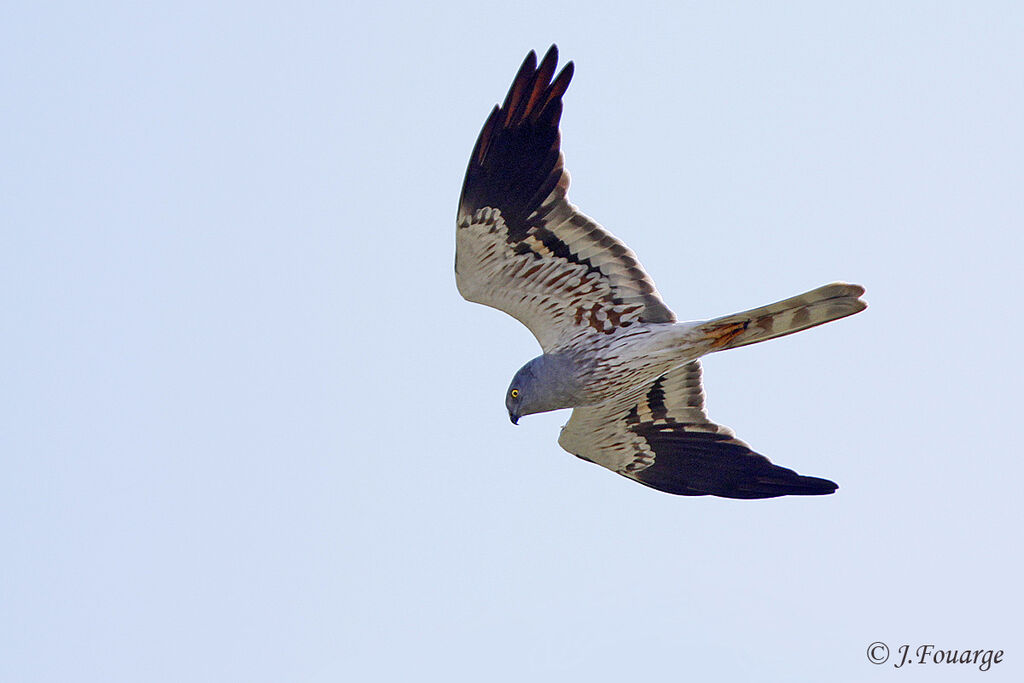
<point x="521" y="247"/>
<point x="660" y="436"/>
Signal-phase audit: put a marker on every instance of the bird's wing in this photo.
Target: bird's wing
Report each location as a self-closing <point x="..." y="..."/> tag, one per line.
<point x="521" y="247"/>
<point x="660" y="436"/>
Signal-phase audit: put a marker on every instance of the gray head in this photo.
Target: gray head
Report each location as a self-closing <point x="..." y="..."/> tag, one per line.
<point x="547" y="382"/>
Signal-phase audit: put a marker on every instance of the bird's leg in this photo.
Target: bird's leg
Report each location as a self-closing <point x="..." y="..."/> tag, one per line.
<point x="722" y="335"/>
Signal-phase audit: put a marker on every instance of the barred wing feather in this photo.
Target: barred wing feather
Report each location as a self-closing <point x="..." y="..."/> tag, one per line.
<point x="660" y="436"/>
<point x="521" y="247"/>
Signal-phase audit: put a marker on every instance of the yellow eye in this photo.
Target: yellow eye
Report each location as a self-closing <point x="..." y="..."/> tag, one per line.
<point x="514" y="393"/>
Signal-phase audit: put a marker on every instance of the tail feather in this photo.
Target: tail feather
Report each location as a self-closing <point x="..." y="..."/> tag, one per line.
<point x="816" y="307"/>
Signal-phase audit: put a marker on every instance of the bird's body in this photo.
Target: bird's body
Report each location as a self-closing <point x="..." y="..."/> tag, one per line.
<point x="613" y="351"/>
<point x="603" y="366"/>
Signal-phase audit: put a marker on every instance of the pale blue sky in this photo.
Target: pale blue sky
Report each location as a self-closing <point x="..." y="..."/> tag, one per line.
<point x="250" y="432"/>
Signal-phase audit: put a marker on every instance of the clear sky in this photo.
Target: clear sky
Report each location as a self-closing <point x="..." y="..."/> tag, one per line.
<point x="250" y="432"/>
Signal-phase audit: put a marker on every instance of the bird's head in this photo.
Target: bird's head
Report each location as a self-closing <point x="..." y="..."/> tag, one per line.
<point x="520" y="392"/>
<point x="546" y="383"/>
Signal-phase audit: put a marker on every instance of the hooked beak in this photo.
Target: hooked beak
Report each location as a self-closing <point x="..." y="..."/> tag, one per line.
<point x="514" y="418"/>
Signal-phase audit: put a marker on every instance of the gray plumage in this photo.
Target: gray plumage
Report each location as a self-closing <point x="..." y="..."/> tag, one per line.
<point x="548" y="382"/>
<point x="613" y="351"/>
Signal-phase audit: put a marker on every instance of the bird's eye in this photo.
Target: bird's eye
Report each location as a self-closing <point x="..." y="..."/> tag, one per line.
<point x="514" y="393"/>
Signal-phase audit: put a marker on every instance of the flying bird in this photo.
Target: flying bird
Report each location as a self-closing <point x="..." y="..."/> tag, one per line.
<point x="612" y="349"/>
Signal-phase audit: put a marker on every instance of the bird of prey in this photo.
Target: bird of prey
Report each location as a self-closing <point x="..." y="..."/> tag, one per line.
<point x="612" y="349"/>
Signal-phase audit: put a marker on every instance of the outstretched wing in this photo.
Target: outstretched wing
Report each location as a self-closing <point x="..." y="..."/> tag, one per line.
<point x="660" y="436"/>
<point x="521" y="247"/>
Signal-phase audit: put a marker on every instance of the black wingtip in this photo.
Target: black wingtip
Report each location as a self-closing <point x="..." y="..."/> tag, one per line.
<point x="515" y="91"/>
<point x="700" y="464"/>
<point x="807" y="486"/>
<point x="515" y="163"/>
<point x="550" y="58"/>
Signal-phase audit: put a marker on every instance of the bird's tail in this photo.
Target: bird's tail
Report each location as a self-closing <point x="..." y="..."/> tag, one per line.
<point x="818" y="306"/>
